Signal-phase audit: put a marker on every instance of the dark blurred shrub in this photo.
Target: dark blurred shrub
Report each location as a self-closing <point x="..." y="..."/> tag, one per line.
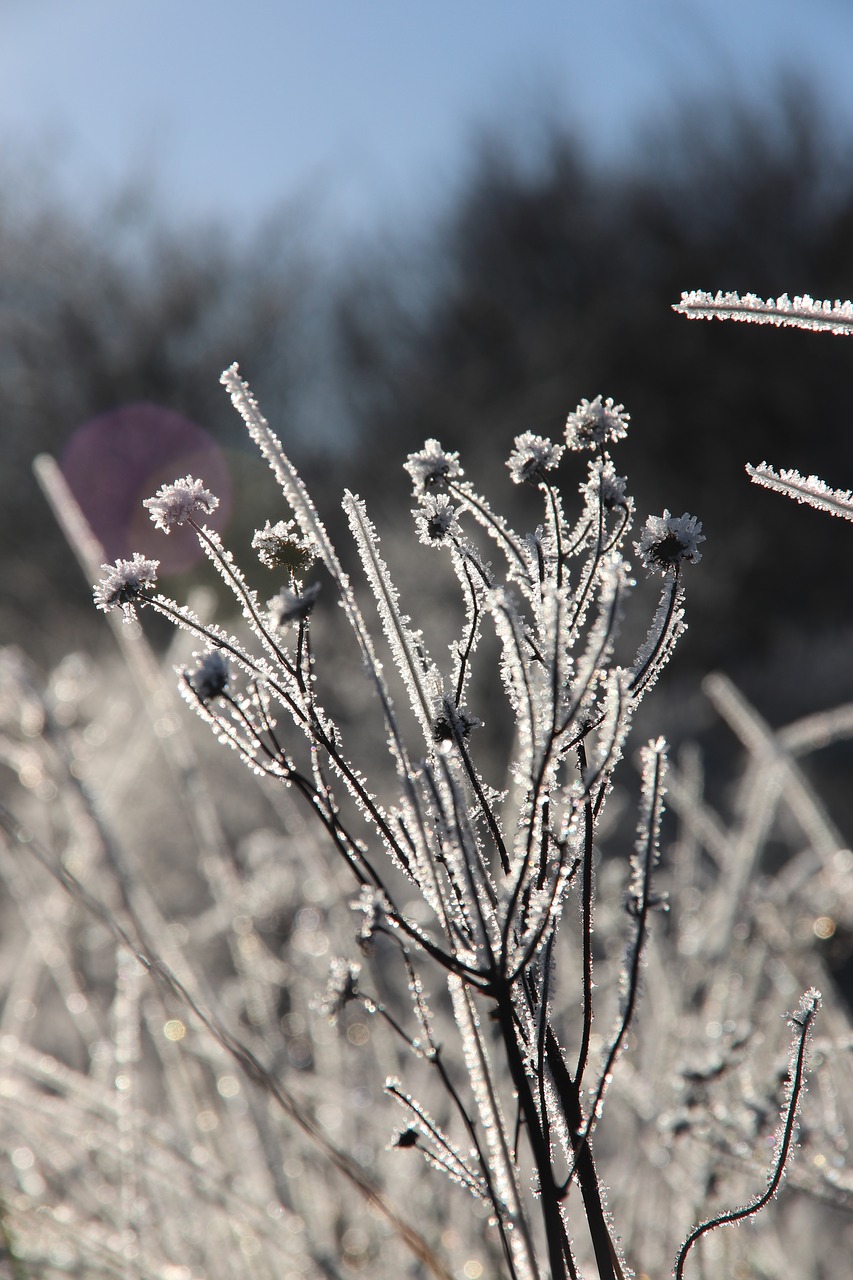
<point x="546" y="278"/>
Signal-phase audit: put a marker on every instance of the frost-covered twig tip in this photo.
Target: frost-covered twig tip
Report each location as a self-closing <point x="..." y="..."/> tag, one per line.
<point x="810" y="490"/>
<point x="800" y="313"/>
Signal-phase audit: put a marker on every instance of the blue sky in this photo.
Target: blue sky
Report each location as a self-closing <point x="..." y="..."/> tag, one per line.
<point x="230" y="107"/>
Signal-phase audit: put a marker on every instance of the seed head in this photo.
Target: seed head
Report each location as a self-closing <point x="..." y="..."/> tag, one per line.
<point x="432" y="467"/>
<point x="669" y="541"/>
<point x="292" y="605"/>
<point x="176" y="503"/>
<point x="342" y="988"/>
<point x="606" y="487"/>
<point x="283" y="544"/>
<point x="210" y="677"/>
<point x="532" y="457"/>
<point x="436" y="520"/>
<point x="124" y="583"/>
<point x="596" y="423"/>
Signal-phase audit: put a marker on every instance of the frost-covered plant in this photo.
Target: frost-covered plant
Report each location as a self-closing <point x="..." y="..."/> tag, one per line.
<point x="493" y="868"/>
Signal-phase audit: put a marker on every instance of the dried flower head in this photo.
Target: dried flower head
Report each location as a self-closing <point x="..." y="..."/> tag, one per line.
<point x="372" y="905"/>
<point x="292" y="604"/>
<point x="436" y="520"/>
<point x="532" y="457"/>
<point x="124" y="584"/>
<point x="283" y="544"/>
<point x="453" y="722"/>
<point x="431" y="467"/>
<point x="341" y="989"/>
<point x="596" y="423"/>
<point x="604" y="486"/>
<point x="176" y="503"/>
<point x="669" y="541"/>
<point x="210" y="677"/>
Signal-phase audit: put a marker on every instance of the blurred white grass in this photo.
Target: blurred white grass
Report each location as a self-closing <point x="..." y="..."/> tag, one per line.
<point x="129" y="1153"/>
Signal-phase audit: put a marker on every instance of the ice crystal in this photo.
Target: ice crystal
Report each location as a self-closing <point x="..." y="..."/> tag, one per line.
<point x="124" y="583"/>
<point x="669" y="541"/>
<point x="176" y="503"/>
<point x="372" y="906"/>
<point x="596" y="423"/>
<point x="453" y="722"/>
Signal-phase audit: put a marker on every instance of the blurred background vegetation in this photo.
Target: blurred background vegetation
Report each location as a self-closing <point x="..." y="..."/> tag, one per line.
<point x="543" y="279"/>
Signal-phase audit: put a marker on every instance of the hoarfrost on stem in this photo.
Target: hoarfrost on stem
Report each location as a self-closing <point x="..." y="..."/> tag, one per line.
<point x="802" y="312"/>
<point x="809" y="490"/>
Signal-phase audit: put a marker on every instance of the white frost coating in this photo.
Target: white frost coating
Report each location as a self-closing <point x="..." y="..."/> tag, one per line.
<point x="309" y="521"/>
<point x="800" y="313"/>
<point x="616" y="713"/>
<point x="810" y="490"/>
<point x="442" y="1152"/>
<point x="519" y="567"/>
<point x="646" y="854"/>
<point x="656" y="650"/>
<point x="643" y="861"/>
<point x="515" y="669"/>
<point x="418" y="673"/>
<point x="494" y="1126"/>
<point x="285" y="472"/>
<point x="475" y="915"/>
<point x="613" y="586"/>
<point x="557" y="637"/>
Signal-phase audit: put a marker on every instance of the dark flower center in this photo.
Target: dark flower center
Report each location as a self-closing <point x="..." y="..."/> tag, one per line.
<point x="669" y="551"/>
